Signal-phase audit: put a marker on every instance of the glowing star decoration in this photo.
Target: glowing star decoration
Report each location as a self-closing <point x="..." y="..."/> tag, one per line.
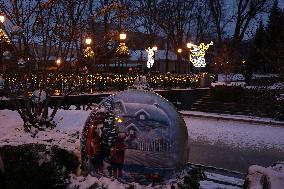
<point x="151" y="58"/>
<point x="197" y="56"/>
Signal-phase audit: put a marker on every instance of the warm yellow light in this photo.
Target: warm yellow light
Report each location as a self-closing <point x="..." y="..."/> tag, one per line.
<point x="57" y="92"/>
<point x="155" y="48"/>
<point x="189" y="45"/>
<point x="58" y="61"/>
<point x="2" y="19"/>
<point x="118" y="119"/>
<point x="179" y="50"/>
<point x="243" y="61"/>
<point x="88" y="41"/>
<point x="88" y="52"/>
<point x="122" y="36"/>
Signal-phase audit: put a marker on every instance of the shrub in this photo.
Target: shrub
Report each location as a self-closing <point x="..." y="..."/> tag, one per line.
<point x="279" y="111"/>
<point x="227" y="93"/>
<point x="37" y="166"/>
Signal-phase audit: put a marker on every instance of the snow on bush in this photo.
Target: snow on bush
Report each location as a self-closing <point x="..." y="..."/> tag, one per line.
<point x="261" y="177"/>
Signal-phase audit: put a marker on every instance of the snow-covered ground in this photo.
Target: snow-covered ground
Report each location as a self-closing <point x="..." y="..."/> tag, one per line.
<point x="70" y="124"/>
<point x="239" y="80"/>
<point x="66" y="135"/>
<point x="241" y="118"/>
<point x="240" y="77"/>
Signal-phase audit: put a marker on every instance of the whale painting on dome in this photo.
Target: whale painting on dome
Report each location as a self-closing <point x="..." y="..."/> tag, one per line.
<point x="135" y="135"/>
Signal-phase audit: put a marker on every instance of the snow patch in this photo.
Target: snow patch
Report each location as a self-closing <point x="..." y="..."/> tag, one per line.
<point x="272" y="176"/>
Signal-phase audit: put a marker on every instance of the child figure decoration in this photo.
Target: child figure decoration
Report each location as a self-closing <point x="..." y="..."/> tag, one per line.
<point x="197" y="56"/>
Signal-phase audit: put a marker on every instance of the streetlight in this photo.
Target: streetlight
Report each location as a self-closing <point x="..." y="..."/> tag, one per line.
<point x="2" y="19"/>
<point x="122" y="50"/>
<point x="189" y="46"/>
<point x="155" y="48"/>
<point x="88" y="40"/>
<point x="58" y="62"/>
<point x="122" y="36"/>
<point x="179" y="58"/>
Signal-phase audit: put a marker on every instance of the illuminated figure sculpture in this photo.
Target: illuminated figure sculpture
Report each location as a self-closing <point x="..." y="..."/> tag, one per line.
<point x="197" y="56"/>
<point x="151" y="57"/>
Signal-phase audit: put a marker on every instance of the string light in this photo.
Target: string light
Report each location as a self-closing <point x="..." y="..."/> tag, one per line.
<point x="94" y="82"/>
<point x="4" y="36"/>
<point x="88" y="52"/>
<point x="122" y="50"/>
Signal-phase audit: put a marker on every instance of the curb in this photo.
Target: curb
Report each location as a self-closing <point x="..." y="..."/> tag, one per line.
<point x="222" y="117"/>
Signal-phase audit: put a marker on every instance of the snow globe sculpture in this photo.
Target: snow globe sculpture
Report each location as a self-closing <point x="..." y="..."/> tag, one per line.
<point x="135" y="135"/>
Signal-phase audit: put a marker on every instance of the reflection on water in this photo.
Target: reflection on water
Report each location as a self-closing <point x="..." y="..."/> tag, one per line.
<point x="231" y="158"/>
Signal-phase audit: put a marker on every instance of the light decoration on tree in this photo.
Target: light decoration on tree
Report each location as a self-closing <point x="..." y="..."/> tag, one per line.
<point x="151" y="56"/>
<point x="122" y="51"/>
<point x="4" y="36"/>
<point x="197" y="55"/>
<point x="88" y="52"/>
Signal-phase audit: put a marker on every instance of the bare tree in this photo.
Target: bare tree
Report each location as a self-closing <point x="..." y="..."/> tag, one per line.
<point x="175" y="19"/>
<point x="246" y="12"/>
<point x="147" y="12"/>
<point x="218" y="15"/>
<point x="107" y="19"/>
<point x="42" y="31"/>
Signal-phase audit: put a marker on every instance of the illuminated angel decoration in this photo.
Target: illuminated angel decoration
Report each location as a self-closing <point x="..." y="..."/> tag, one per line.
<point x="197" y="56"/>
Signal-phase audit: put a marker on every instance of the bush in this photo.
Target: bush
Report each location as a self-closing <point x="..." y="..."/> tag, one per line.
<point x="279" y="112"/>
<point x="37" y="166"/>
<point x="227" y="93"/>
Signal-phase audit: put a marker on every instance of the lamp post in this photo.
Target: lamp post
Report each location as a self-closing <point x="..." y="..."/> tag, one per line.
<point x="2" y="19"/>
<point x="121" y="48"/>
<point x="155" y="48"/>
<point x="88" y="52"/>
<point x="189" y="46"/>
<point x="179" y="51"/>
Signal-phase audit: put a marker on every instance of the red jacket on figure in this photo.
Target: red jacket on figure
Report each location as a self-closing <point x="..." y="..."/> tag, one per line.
<point x="96" y="144"/>
<point x="117" y="152"/>
<point x="90" y="137"/>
